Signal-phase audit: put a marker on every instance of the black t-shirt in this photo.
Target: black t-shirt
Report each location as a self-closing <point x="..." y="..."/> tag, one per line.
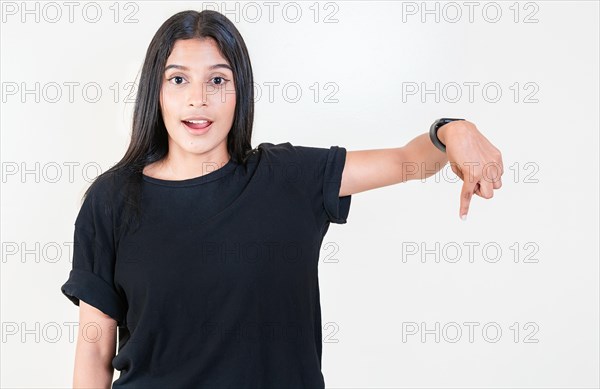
<point x="218" y="287"/>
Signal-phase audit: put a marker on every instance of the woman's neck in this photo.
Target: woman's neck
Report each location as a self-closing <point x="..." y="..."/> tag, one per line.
<point x="181" y="168"/>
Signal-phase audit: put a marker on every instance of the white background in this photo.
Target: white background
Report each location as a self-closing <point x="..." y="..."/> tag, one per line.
<point x="547" y="207"/>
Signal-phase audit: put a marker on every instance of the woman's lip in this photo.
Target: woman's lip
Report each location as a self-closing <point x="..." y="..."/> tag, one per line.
<point x="197" y="126"/>
<point x="197" y="129"/>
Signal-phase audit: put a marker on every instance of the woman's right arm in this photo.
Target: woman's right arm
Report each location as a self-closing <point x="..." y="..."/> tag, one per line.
<point x="96" y="347"/>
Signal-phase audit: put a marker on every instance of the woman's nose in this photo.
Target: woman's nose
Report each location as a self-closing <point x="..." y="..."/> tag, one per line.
<point x="201" y="94"/>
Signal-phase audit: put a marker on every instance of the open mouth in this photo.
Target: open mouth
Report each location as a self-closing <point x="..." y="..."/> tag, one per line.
<point x="197" y="124"/>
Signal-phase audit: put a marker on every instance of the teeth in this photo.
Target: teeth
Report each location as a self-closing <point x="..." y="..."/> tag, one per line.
<point x="197" y="121"/>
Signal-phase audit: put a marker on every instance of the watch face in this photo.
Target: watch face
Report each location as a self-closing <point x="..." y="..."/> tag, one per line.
<point x="448" y="120"/>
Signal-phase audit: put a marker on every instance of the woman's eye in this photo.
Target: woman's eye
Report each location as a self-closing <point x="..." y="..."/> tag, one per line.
<point x="220" y="80"/>
<point x="177" y="78"/>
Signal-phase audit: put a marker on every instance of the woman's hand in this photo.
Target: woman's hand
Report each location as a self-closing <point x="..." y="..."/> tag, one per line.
<point x="474" y="159"/>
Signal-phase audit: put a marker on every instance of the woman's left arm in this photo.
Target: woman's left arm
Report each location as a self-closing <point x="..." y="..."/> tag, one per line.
<point x="472" y="157"/>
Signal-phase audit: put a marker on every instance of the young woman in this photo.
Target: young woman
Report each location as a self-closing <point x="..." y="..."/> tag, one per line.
<point x="202" y="250"/>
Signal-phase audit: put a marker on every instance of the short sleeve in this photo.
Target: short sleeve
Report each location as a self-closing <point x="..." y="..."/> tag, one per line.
<point x="321" y="170"/>
<point x="337" y="207"/>
<point x="91" y="278"/>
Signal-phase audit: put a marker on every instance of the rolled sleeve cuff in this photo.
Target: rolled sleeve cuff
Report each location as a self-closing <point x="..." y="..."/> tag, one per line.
<point x="92" y="289"/>
<point x="337" y="208"/>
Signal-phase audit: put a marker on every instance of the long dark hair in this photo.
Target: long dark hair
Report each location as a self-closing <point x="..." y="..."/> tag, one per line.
<point x="149" y="137"/>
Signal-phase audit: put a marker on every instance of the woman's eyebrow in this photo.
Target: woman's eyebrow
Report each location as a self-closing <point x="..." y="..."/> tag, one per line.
<point x="212" y="67"/>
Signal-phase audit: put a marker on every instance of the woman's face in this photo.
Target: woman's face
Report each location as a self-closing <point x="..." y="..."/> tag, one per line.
<point x="198" y="85"/>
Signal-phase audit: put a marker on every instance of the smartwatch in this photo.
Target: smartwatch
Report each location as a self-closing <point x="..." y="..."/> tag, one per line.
<point x="434" y="129"/>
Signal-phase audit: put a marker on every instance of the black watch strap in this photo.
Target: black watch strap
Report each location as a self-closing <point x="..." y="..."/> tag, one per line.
<point x="434" y="129"/>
